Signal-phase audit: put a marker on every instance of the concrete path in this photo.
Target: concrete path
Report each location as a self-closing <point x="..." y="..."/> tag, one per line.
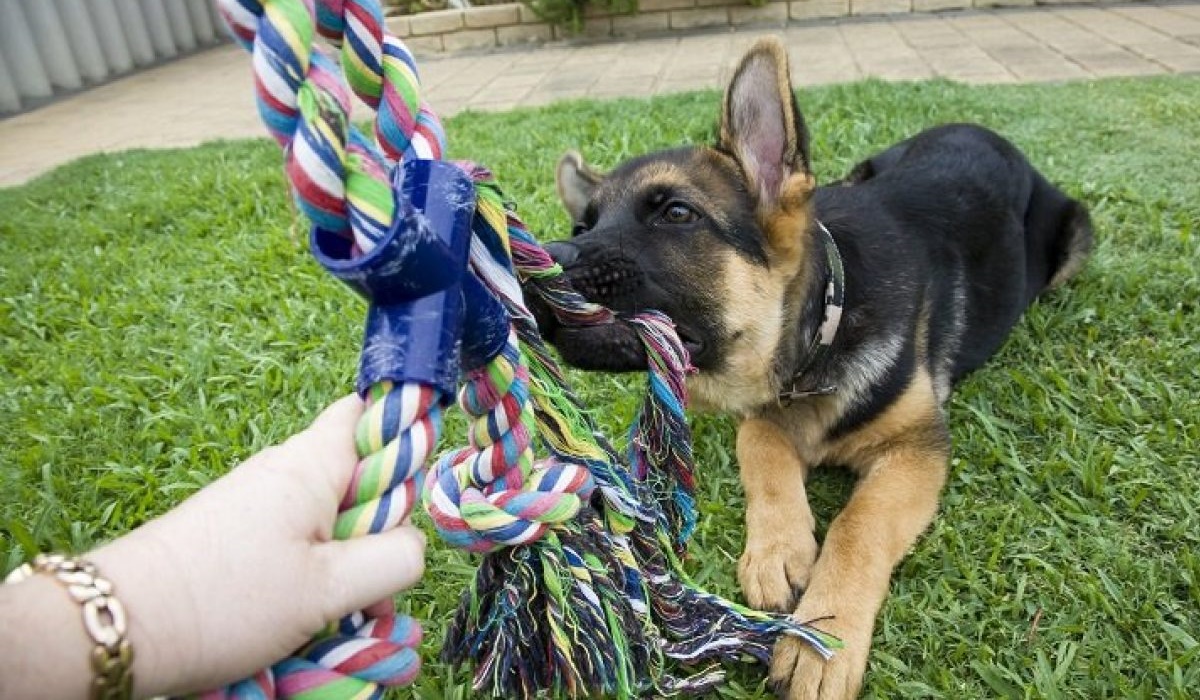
<point x="210" y="95"/>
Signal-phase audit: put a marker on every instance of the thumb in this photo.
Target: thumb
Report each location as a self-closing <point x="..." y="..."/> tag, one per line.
<point x="327" y="445"/>
<point x="362" y="570"/>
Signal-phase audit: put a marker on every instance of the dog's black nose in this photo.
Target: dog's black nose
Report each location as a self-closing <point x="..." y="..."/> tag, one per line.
<point x="563" y="252"/>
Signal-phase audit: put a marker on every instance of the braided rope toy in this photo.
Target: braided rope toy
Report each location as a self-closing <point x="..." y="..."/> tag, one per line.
<point x="581" y="591"/>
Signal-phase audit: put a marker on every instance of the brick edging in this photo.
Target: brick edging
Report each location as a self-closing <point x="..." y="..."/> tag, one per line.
<point x="494" y="26"/>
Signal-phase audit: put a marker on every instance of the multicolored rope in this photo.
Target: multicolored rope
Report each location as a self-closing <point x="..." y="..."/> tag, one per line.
<point x="341" y="181"/>
<point x="636" y="524"/>
<point x="492" y="494"/>
<point x="339" y="177"/>
<point x="381" y="71"/>
<point x="582" y="591"/>
<point x="395" y="436"/>
<point x="660" y="440"/>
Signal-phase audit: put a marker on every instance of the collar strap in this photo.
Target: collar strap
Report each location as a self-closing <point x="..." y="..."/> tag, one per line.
<point x="818" y="348"/>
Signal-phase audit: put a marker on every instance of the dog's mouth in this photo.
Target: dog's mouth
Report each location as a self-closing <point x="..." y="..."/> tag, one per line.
<point x="692" y="342"/>
<point x="613" y="279"/>
<point x="610" y="347"/>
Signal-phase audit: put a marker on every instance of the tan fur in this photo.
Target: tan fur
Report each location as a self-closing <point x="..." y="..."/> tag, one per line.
<point x="901" y="458"/>
<point x="760" y="315"/>
<point x="575" y="180"/>
<point x="780" y="546"/>
<point x="747" y="380"/>
<point x="794" y="215"/>
<point x="900" y="455"/>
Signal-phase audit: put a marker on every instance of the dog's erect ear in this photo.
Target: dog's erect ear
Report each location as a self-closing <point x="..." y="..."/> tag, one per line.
<point x="761" y="124"/>
<point x="576" y="181"/>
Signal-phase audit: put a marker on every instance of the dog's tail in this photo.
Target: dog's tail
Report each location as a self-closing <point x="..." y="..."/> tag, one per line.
<point x="1073" y="246"/>
<point x="1059" y="231"/>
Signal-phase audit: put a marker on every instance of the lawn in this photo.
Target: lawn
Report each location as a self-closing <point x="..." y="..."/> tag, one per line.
<point x="160" y="319"/>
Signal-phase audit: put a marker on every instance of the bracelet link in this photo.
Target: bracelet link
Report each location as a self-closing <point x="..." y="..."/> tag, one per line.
<point x="104" y="620"/>
<point x="113" y="680"/>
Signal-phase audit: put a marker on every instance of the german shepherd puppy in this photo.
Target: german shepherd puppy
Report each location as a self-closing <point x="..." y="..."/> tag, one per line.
<point x="832" y="320"/>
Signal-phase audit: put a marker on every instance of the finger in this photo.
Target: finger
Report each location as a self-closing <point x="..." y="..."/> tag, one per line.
<point x="363" y="570"/>
<point x="327" y="446"/>
<point x="380" y="608"/>
<point x="339" y="416"/>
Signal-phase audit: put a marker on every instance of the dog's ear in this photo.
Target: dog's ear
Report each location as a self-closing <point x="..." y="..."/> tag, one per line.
<point x="761" y="125"/>
<point x="576" y="181"/>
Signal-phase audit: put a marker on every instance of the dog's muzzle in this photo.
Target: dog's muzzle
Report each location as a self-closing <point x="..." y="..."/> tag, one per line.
<point x="603" y="279"/>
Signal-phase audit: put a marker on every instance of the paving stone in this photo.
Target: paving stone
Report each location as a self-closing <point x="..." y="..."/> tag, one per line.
<point x="435" y="22"/>
<point x="210" y="94"/>
<point x="1008" y="3"/>
<point x="1115" y="62"/>
<point x="936" y="5"/>
<point x="1179" y="58"/>
<point x="641" y="23"/>
<point x="818" y="9"/>
<point x="699" y="17"/>
<point x="879" y="7"/>
<point x="493" y="16"/>
<point x="771" y="13"/>
<point x="522" y="34"/>
<point x="1167" y="20"/>
<point x="930" y="34"/>
<point x="469" y="39"/>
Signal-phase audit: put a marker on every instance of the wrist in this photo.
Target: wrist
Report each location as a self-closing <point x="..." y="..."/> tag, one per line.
<point x="71" y="629"/>
<point x="134" y="565"/>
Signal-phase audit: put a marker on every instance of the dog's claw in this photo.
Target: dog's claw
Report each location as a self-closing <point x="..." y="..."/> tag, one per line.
<point x="799" y="673"/>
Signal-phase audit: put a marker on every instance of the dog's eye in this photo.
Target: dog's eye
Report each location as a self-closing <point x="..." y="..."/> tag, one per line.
<point x="678" y="213"/>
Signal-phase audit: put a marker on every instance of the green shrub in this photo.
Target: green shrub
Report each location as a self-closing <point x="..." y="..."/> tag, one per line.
<point x="570" y="14"/>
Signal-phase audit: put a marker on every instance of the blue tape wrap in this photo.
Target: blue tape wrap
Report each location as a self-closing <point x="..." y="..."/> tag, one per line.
<point x="412" y="278"/>
<point x="485" y="330"/>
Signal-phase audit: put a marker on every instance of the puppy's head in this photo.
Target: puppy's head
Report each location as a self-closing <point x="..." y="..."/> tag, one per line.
<point x="714" y="237"/>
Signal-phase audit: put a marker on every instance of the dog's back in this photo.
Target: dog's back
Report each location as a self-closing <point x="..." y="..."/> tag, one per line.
<point x="833" y="320"/>
<point x="965" y="208"/>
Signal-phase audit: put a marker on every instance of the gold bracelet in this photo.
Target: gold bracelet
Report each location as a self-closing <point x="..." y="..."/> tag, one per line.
<point x="103" y="620"/>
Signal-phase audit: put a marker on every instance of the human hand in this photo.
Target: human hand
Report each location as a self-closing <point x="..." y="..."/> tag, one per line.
<point x="245" y="571"/>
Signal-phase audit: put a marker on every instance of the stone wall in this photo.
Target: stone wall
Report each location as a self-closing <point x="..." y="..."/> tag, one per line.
<point x="488" y="27"/>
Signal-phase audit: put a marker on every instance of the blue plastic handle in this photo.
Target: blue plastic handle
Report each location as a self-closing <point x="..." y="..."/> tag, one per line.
<point x="412" y="278"/>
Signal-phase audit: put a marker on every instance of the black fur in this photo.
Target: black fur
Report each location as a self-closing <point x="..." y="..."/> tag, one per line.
<point x="956" y="212"/>
<point x="944" y="239"/>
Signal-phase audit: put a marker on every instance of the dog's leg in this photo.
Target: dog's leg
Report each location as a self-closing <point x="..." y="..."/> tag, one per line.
<point x="894" y="501"/>
<point x="780" y="547"/>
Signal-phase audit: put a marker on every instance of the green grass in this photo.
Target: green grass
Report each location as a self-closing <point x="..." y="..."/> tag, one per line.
<point x="160" y="320"/>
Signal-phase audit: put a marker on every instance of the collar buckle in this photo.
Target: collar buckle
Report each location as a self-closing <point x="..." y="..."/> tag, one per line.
<point x="787" y="398"/>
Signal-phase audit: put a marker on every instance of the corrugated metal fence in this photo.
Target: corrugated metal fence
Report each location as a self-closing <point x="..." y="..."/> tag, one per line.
<point x="48" y="47"/>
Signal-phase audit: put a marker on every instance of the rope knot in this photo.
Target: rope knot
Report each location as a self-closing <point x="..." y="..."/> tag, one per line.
<point x="493" y="494"/>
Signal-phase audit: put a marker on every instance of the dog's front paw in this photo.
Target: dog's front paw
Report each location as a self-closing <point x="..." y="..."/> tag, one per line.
<point x="799" y="673"/>
<point x="774" y="571"/>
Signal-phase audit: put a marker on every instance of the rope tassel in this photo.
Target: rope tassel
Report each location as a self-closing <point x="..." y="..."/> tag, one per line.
<point x="652" y="611"/>
<point x="580" y="590"/>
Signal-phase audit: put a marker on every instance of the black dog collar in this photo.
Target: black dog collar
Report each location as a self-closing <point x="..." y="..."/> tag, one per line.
<point x="835" y="289"/>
